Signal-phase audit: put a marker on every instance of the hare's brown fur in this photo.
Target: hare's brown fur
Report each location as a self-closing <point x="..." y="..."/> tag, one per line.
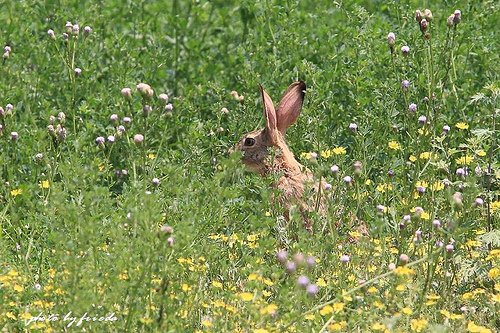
<point x="256" y="147"/>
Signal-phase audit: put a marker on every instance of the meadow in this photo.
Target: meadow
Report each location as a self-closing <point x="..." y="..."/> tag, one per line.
<point x="121" y="209"/>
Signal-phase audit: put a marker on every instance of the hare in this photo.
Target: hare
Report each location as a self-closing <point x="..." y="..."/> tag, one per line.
<point x="293" y="177"/>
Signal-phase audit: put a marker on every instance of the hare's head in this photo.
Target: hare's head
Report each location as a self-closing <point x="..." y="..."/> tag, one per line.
<point x="255" y="145"/>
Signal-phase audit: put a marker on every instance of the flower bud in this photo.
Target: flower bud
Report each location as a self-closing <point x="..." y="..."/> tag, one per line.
<point x="163" y="98"/>
<point x="14" y="136"/>
<point x="405" y="84"/>
<point x="391" y="39"/>
<point x="282" y="256"/>
<point x="418" y="16"/>
<point x="87" y="30"/>
<point x="75" y="29"/>
<point x="450" y="22"/>
<point x="403" y="258"/>
<point x="69" y="27"/>
<point x="428" y="15"/>
<point x="138" y="138"/>
<point x="405" y="50"/>
<point x="303" y="281"/>
<point x="51" y="34"/>
<point x="457" y="16"/>
<point x="78" y="71"/>
<point x="126" y="93"/>
<point x="412" y="107"/>
<point x="424" y="24"/>
<point x="312" y="290"/>
<point x="145" y="90"/>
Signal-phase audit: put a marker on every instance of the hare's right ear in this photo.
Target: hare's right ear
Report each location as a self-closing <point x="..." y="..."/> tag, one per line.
<point x="290" y="105"/>
<point x="270" y="115"/>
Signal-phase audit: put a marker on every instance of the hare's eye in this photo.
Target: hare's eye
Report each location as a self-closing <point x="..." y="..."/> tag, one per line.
<point x="249" y="141"/>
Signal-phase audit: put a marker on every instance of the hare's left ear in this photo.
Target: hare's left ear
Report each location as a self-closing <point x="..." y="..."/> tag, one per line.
<point x="290" y="105"/>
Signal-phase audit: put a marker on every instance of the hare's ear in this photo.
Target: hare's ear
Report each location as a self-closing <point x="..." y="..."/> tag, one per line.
<point x="290" y="105"/>
<point x="270" y="115"/>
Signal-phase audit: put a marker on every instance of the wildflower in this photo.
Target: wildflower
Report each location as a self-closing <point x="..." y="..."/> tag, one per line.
<point x="44" y="184"/>
<point x="405" y="84"/>
<point x="303" y="281"/>
<point x="326" y="310"/>
<point x="339" y="151"/>
<point x="298" y="258"/>
<point x="113" y="118"/>
<point x="14" y="136"/>
<point x="418" y="15"/>
<point x="166" y="229"/>
<point x="436" y="223"/>
<point x="428" y="14"/>
<point x="290" y="267"/>
<point x="163" y="98"/>
<point x="78" y="71"/>
<point x="146" y="109"/>
<point x="391" y="39"/>
<point x="461" y="126"/>
<point x="424" y="24"/>
<point x="38" y="157"/>
<point x="457" y="16"/>
<point x="478" y="202"/>
<point x="353" y="127"/>
<point x="381" y="208"/>
<point x="422" y="120"/>
<point x="378" y="327"/>
<point x="75" y="29"/>
<point x="170" y="241"/>
<point x="347" y="180"/>
<point x="412" y="107"/>
<point x="282" y="256"/>
<point x="407" y="218"/>
<point x="145" y="90"/>
<point x="461" y="172"/>
<point x="169" y="107"/>
<point x="312" y="290"/>
<point x="405" y="50"/>
<point x="65" y="36"/>
<point x="391" y="266"/>
<point x="155" y="181"/>
<point x="418" y="325"/>
<point x="450" y="21"/>
<point x="100" y="140"/>
<point x="51" y="34"/>
<point x="224" y="111"/>
<point x="111" y="139"/>
<point x="269" y="309"/>
<point x="465" y="160"/>
<point x="412" y="158"/>
<point x="446" y="129"/>
<point x="138" y="138"/>
<point x="473" y="328"/>
<point x="310" y="261"/>
<point x="327" y="186"/>
<point x="334" y="169"/>
<point x="126" y="93"/>
<point x="87" y="30"/>
<point x="425" y="155"/>
<point x="449" y="248"/>
<point x="344" y="258"/>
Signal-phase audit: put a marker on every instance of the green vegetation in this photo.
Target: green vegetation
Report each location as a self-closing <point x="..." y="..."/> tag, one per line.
<point x="147" y="224"/>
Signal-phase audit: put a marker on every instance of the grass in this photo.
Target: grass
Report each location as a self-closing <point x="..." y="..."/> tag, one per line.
<point x="171" y="234"/>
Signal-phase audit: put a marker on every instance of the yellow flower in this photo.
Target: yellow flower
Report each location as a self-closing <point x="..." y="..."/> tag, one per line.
<point x="495" y="298"/>
<point x="252" y="238"/>
<point x="16" y="192"/>
<point x="481" y="153"/>
<point x="462" y="126"/>
<point x="425" y="155"/>
<point x="339" y="151"/>
<point x="151" y="156"/>
<point x="146" y="320"/>
<point x="186" y="287"/>
<point x="494" y="273"/>
<point x="217" y="284"/>
<point x="25" y="316"/>
<point x="269" y="309"/>
<point x="44" y="184"/>
<point x="326" y="310"/>
<point x="432" y="299"/>
<point x="382" y="188"/>
<point x="400" y="287"/>
<point x="412" y="158"/>
<point x="407" y="311"/>
<point x="473" y="328"/>
<point x="437" y="186"/>
<point x="378" y="327"/>
<point x="425" y="216"/>
<point x="10" y="315"/>
<point x="326" y="153"/>
<point x="465" y="160"/>
<point x="18" y="288"/>
<point x="403" y="271"/>
<point x="378" y="305"/>
<point x="495" y="205"/>
<point x="372" y="290"/>
<point x="247" y="297"/>
<point x="418" y="325"/>
<point x="467" y="296"/>
<point x="337" y="326"/>
<point x="266" y="293"/>
<point x="260" y="330"/>
<point x="101" y="167"/>
<point x="394" y="145"/>
<point x="206" y="323"/>
<point x="123" y="275"/>
<point x="310" y="316"/>
<point x="321" y="282"/>
<point x="449" y="315"/>
<point x="337" y="307"/>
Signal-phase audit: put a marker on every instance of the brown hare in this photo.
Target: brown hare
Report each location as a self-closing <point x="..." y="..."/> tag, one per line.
<point x="294" y="179"/>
